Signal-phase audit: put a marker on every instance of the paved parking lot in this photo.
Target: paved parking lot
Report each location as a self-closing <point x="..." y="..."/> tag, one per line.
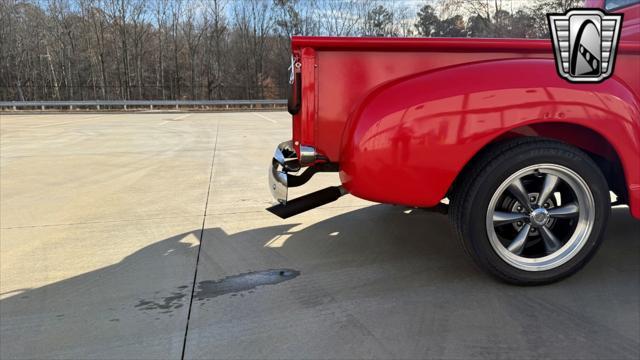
<point x="108" y="219"/>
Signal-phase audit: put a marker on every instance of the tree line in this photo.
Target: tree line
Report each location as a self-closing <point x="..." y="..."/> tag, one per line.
<point x="214" y="49"/>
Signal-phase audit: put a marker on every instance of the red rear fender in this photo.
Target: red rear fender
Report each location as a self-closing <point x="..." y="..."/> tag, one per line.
<point x="410" y="138"/>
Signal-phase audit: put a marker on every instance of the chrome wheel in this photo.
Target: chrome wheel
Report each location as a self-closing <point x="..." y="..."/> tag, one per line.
<point x="540" y="217"/>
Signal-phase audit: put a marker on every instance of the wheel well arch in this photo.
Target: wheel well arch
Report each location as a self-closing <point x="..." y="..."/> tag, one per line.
<point x="596" y="146"/>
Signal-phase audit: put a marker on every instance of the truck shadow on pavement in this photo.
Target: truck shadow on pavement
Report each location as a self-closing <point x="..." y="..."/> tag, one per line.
<point x="391" y="260"/>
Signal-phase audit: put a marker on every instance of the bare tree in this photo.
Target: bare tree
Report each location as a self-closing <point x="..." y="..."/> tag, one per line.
<point x="341" y="18"/>
<point x="193" y="35"/>
<point x="253" y="23"/>
<point x="139" y="34"/>
<point x="97" y="27"/>
<point x="216" y="32"/>
<point x="403" y="19"/>
<point x="161" y="8"/>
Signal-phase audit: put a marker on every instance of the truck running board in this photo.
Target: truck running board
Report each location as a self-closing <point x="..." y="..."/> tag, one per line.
<point x="308" y="202"/>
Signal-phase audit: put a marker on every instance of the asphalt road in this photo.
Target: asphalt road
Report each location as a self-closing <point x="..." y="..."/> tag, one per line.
<point x="108" y="219"/>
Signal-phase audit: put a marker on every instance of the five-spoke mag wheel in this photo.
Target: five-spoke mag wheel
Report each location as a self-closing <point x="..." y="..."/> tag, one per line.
<point x="540" y="216"/>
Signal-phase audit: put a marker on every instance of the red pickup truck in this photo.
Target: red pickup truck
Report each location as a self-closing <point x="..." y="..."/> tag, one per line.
<point x="525" y="159"/>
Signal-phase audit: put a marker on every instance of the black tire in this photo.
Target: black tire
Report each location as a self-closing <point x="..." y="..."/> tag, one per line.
<point x="473" y="193"/>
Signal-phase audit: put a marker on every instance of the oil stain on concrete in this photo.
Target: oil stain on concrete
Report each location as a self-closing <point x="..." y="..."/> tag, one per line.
<point x="240" y="283"/>
<point x="167" y="304"/>
<point x="208" y="289"/>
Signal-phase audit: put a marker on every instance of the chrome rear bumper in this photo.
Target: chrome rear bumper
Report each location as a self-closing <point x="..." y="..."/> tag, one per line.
<point x="286" y="161"/>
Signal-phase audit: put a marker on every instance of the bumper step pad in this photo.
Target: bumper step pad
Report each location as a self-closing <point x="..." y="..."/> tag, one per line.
<point x="308" y="202"/>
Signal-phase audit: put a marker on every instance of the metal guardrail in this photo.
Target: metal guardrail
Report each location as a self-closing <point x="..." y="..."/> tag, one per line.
<point x="15" y="105"/>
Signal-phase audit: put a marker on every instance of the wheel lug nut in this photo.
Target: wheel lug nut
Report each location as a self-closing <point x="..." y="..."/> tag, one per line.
<point x="519" y="223"/>
<point x="532" y="198"/>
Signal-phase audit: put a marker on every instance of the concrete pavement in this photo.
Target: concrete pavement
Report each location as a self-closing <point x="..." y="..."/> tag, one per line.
<point x="107" y="219"/>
